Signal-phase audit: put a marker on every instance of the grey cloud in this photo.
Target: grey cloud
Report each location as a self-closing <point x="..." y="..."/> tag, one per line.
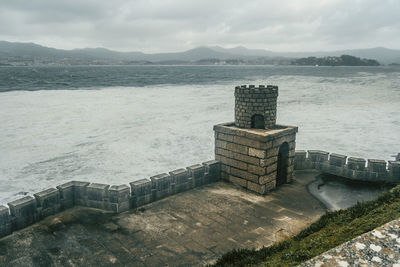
<point x="172" y="25"/>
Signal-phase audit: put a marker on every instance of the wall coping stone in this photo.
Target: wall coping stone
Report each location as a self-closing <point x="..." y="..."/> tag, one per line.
<point x="46" y="193"/>
<point x="22" y="201"/>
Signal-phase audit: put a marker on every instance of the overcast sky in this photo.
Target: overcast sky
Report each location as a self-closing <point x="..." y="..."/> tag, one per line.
<point x="176" y="25"/>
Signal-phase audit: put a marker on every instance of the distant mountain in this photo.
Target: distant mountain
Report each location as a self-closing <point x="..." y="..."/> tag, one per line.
<point x="381" y="54"/>
<point x="33" y="53"/>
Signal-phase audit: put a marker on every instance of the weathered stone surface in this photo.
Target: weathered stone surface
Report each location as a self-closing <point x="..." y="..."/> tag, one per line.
<point x="23" y="212"/>
<point x="141" y="192"/>
<point x="48" y="202"/>
<point x="257" y="153"/>
<point x="356" y="163"/>
<point x="256" y="169"/>
<point x="244" y="174"/>
<point x="80" y="193"/>
<point x="337" y="159"/>
<point x="231" y="162"/>
<point x="255" y="101"/>
<point x="256" y="187"/>
<point x="238" y="181"/>
<point x="66" y="195"/>
<point x="161" y="185"/>
<point x="249" y="157"/>
<point x="193" y="228"/>
<point x="181" y="180"/>
<point x="119" y="197"/>
<point x="197" y="173"/>
<point x="318" y="155"/>
<point x="376" y="165"/>
<point x="394" y="170"/>
<point x="5" y="221"/>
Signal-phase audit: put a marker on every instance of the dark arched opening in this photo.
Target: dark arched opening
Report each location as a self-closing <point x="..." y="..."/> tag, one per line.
<point x="257" y="121"/>
<point x="283" y="162"/>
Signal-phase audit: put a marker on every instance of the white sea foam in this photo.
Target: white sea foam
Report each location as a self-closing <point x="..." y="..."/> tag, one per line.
<point x="118" y="135"/>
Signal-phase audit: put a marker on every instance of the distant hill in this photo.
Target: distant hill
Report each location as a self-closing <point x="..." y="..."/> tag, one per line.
<point x="30" y="53"/>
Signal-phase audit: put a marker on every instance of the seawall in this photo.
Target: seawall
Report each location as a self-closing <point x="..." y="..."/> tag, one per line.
<point x="359" y="169"/>
<point x="115" y="198"/>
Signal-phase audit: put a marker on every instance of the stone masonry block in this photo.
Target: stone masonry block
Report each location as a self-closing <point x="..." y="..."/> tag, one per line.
<point x="212" y="171"/>
<point x="273" y="152"/>
<point x="318" y="155"/>
<point x="245" y="158"/>
<point x="232" y="162"/>
<point x="268" y="162"/>
<point x="98" y="192"/>
<point x="97" y="196"/>
<point x="119" y="197"/>
<point x="357" y="164"/>
<point x="119" y="193"/>
<point x="224" y="176"/>
<point x="181" y="180"/>
<point x="224" y="152"/>
<point x="255" y="187"/>
<point x="161" y="183"/>
<point x="287" y="138"/>
<point x="394" y="171"/>
<point x="292" y="145"/>
<point x="299" y="159"/>
<point x="262" y="154"/>
<point x="337" y="160"/>
<point x="271" y="168"/>
<point x="197" y="173"/>
<point x="238" y="181"/>
<point x="48" y="202"/>
<point x="264" y="179"/>
<point x="256" y="169"/>
<point x="247" y="142"/>
<point x="231" y="146"/>
<point x="23" y="212"/>
<point x="225" y="137"/>
<point x="141" y="192"/>
<point x="376" y="165"/>
<point x="244" y="174"/>
<point x="66" y="195"/>
<point x="5" y="221"/>
<point x="80" y="193"/>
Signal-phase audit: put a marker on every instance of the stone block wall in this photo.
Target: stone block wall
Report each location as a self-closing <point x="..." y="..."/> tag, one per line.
<point x="253" y="100"/>
<point x="249" y="157"/>
<point x="371" y="170"/>
<point x="116" y="198"/>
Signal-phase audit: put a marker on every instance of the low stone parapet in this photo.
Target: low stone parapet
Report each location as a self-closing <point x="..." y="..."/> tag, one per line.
<point x="114" y="198"/>
<point x="371" y="170"/>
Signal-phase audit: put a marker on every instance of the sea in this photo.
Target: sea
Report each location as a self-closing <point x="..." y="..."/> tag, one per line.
<point x="118" y="124"/>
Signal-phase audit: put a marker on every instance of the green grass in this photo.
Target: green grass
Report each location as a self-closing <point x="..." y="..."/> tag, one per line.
<point x="331" y="230"/>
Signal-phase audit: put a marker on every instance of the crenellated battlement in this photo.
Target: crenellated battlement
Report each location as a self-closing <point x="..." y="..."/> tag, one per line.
<point x="255" y="107"/>
<point x="370" y="170"/>
<point x="247" y="89"/>
<point x="114" y="198"/>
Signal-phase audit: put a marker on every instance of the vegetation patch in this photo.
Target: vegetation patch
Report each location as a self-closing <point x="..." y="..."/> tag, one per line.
<point x="331" y="230"/>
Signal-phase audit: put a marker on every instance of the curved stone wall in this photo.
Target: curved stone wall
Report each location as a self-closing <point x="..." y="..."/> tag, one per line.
<point x="371" y="170"/>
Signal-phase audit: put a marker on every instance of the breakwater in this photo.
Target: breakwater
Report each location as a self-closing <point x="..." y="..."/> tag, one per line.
<point x="359" y="169"/>
<point x="115" y="198"/>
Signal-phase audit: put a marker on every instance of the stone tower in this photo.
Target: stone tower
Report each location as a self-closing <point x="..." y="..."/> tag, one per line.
<point x="254" y="151"/>
<point x="255" y="107"/>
